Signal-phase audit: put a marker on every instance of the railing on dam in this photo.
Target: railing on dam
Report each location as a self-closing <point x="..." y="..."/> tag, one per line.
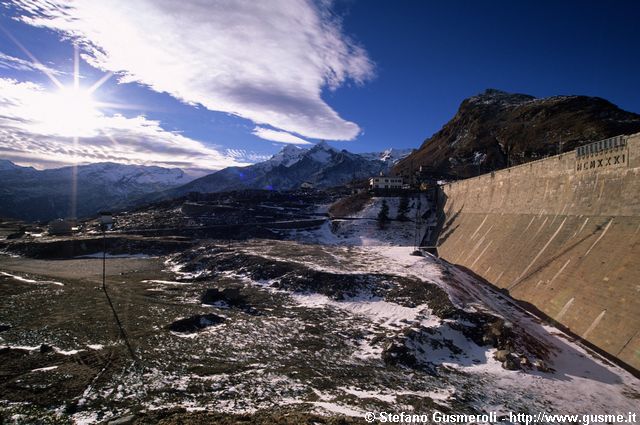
<point x="601" y="145"/>
<point x="610" y="144"/>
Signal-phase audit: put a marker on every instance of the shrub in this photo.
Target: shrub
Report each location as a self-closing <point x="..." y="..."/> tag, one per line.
<point x="383" y="215"/>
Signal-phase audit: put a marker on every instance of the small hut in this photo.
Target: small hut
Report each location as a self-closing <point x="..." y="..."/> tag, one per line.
<point x="60" y="227"/>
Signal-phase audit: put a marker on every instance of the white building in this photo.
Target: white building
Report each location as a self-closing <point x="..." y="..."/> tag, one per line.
<point x="382" y="182"/>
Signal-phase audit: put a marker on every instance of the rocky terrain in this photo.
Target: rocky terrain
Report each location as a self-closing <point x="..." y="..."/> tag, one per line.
<point x="228" y="215"/>
<point x="495" y="129"/>
<point x="318" y="324"/>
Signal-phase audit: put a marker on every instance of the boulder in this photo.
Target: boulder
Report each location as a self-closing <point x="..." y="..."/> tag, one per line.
<point x="195" y="323"/>
<point x="510" y="364"/>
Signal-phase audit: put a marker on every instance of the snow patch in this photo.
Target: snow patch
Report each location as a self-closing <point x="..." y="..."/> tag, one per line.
<point x="387" y="314"/>
<point x="166" y="282"/>
<point x="24" y="279"/>
<point x="44" y="369"/>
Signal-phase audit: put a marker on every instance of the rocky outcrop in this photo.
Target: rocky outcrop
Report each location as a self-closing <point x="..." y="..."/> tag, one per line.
<point x="496" y="129"/>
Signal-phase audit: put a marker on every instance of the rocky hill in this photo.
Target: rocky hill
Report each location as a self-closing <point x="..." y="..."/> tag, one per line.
<point x="496" y="129"/>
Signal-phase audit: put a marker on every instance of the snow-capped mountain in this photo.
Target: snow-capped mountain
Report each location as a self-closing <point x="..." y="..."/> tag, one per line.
<point x="31" y="194"/>
<point x="321" y="165"/>
<point x="127" y="177"/>
<point x="288" y="156"/>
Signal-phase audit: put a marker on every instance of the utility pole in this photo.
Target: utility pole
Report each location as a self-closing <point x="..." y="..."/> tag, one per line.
<point x="104" y="258"/>
<point x="106" y="222"/>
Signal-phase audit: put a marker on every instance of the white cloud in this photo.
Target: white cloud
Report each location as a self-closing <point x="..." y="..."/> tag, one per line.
<point x="11" y="62"/>
<point x="279" y="136"/>
<point x="244" y="155"/>
<point x="28" y="137"/>
<point x="267" y="61"/>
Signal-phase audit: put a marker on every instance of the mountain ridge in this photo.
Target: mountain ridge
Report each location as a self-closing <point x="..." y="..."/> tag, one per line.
<point x="320" y="166"/>
<point x="37" y="195"/>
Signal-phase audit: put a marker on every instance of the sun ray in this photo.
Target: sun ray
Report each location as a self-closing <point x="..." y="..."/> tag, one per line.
<point x="127" y="106"/>
<point x="74" y="169"/>
<point x="72" y="111"/>
<point x="35" y="60"/>
<point x="76" y="67"/>
<point x="73" y="207"/>
<point x="100" y="82"/>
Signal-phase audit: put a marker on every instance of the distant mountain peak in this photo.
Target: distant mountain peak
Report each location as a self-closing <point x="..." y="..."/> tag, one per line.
<point x="6" y="165"/>
<point x="288" y="155"/>
<point x="323" y="146"/>
<point x="291" y="148"/>
<point x="495" y="92"/>
<point x="321" y="152"/>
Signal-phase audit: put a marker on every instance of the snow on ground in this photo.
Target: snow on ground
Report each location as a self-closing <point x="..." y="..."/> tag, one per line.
<point x="340" y="409"/>
<point x="44" y="369"/>
<point x="38" y="347"/>
<point x="386" y="313"/>
<point x="580" y="380"/>
<point x="362" y="228"/>
<point x="166" y="282"/>
<point x="27" y="280"/>
<point x="96" y="346"/>
<point x="440" y="395"/>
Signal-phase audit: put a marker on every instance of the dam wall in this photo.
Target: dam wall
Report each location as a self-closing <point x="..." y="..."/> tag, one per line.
<point x="562" y="234"/>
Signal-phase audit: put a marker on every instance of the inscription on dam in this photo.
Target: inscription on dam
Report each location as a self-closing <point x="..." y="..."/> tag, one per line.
<point x="601" y="160"/>
<point x="604" y="153"/>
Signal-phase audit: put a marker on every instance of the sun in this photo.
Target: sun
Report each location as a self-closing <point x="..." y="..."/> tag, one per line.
<point x="70" y="112"/>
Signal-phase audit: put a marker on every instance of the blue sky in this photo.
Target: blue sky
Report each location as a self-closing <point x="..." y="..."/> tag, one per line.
<point x="228" y="83"/>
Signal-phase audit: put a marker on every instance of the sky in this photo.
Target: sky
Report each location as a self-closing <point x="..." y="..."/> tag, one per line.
<point x="203" y="85"/>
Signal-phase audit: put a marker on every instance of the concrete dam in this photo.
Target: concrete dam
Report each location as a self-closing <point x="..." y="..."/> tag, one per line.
<point x="562" y="234"/>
